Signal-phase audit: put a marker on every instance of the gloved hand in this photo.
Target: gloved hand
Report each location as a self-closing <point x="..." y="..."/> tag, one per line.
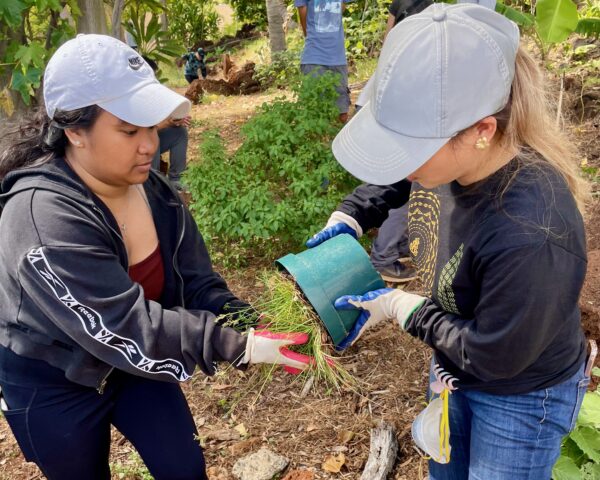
<point x="377" y="306"/>
<point x="337" y="224"/>
<point x="264" y="346"/>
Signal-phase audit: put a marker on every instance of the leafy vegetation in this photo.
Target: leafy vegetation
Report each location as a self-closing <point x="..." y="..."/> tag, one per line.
<point x="364" y="26"/>
<point x="580" y="453"/>
<point x="191" y="21"/>
<point x="30" y="32"/>
<point x="152" y="42"/>
<point x="280" y="186"/>
<point x="282" y="71"/>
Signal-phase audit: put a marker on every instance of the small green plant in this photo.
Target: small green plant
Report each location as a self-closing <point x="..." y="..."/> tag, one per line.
<point x="285" y="310"/>
<point x="580" y="452"/>
<point x="131" y="469"/>
<point x="283" y="182"/>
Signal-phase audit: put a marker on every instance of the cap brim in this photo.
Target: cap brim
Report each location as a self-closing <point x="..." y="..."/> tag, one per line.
<point x="378" y="155"/>
<point x="148" y="106"/>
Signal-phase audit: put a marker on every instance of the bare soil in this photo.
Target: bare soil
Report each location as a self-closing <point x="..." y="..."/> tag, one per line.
<point x="236" y="413"/>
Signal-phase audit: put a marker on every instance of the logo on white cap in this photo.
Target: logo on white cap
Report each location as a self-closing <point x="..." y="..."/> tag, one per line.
<point x="136" y="62"/>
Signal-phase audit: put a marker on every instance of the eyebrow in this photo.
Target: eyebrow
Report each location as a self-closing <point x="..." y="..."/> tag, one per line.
<point x="123" y="123"/>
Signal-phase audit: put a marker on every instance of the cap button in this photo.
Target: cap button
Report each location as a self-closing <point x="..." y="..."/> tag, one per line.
<point x="439" y="16"/>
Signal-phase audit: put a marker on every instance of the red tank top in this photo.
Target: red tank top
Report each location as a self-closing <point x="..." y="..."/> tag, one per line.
<point x="150" y="274"/>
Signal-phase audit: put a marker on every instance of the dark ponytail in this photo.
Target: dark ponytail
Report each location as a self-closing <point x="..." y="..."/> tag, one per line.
<point x="36" y="139"/>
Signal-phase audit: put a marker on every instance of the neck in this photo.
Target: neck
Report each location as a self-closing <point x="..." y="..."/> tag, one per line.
<point x="497" y="158"/>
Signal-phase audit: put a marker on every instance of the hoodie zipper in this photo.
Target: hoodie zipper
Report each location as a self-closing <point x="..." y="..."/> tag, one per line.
<point x="102" y="384"/>
<point x="179" y="240"/>
<point x="103" y="381"/>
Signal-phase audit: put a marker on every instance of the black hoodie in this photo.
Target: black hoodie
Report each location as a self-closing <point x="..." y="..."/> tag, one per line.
<point x="503" y="264"/>
<point x="66" y="297"/>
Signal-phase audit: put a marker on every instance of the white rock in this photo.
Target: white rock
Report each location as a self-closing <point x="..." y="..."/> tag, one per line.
<point x="262" y="465"/>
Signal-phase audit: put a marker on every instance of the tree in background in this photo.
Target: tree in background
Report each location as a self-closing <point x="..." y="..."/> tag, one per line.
<point x="276" y="12"/>
<point x="192" y="21"/>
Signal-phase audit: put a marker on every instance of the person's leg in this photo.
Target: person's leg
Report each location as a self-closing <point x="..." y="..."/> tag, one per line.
<point x="343" y="101"/>
<point x="62" y="427"/>
<point x="518" y="437"/>
<point x="390" y="245"/>
<point x="176" y="139"/>
<point x="191" y="78"/>
<point x="155" y="417"/>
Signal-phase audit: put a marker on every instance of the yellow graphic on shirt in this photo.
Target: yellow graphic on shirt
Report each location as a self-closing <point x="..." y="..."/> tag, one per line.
<point x="444" y="289"/>
<point x="423" y="227"/>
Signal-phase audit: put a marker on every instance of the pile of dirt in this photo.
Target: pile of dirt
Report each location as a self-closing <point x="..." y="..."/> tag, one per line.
<point x="235" y="81"/>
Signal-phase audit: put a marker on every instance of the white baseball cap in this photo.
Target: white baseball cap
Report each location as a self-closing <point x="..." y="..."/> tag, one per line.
<point x="440" y="71"/>
<point x="101" y="70"/>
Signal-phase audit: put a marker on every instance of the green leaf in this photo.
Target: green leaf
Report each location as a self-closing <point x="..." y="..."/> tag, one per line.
<point x="565" y="469"/>
<point x="589" y="27"/>
<point x="588" y="440"/>
<point x="590" y="471"/>
<point x="520" y="18"/>
<point x="11" y="11"/>
<point x="556" y="19"/>
<point x="25" y="83"/>
<point x="31" y="55"/>
<point x="590" y="410"/>
<point x="570" y="449"/>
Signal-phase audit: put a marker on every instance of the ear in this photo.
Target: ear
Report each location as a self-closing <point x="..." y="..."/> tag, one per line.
<point x="75" y="137"/>
<point x="485" y="128"/>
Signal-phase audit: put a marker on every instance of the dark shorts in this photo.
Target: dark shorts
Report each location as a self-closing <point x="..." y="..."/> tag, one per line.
<point x="191" y="78"/>
<point x="343" y="101"/>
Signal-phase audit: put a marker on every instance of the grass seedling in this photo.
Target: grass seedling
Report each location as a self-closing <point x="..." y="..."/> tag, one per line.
<point x="284" y="309"/>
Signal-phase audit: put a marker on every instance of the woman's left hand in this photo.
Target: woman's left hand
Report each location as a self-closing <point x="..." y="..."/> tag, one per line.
<point x="377" y="306"/>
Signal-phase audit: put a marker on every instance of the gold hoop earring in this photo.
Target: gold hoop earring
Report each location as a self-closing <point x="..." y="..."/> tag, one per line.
<point x="482" y="143"/>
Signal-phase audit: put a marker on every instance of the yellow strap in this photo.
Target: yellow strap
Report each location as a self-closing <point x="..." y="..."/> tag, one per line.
<point x="445" y="428"/>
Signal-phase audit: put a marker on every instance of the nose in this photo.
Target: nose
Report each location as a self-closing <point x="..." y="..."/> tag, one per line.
<point x="148" y="141"/>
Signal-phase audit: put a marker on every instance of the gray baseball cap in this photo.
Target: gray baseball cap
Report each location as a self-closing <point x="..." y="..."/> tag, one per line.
<point x="440" y="71"/>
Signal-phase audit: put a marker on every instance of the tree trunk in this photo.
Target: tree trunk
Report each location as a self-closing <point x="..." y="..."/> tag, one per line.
<point x="115" y="24"/>
<point x="93" y="17"/>
<point x="275" y="19"/>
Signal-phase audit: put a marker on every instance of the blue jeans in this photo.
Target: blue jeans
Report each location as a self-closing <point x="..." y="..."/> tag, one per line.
<point x="392" y="238"/>
<point x="509" y="437"/>
<point x="175" y="141"/>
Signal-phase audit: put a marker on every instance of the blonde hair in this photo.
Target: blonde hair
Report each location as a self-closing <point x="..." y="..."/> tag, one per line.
<point x="528" y="125"/>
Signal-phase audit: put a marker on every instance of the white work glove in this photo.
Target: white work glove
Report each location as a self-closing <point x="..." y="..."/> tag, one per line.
<point x="264" y="346"/>
<point x="338" y="223"/>
<point x="377" y="306"/>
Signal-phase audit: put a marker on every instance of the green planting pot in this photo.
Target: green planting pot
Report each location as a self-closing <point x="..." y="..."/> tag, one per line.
<point x="339" y="266"/>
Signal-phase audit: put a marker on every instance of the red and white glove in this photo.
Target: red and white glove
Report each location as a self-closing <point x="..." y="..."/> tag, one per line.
<point x="264" y="346"/>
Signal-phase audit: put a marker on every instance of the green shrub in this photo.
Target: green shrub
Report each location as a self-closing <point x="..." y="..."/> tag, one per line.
<point x="282" y="71"/>
<point x="580" y="452"/>
<point x="280" y="186"/>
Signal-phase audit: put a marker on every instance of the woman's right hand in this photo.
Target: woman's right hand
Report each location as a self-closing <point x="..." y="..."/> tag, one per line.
<point x="264" y="346"/>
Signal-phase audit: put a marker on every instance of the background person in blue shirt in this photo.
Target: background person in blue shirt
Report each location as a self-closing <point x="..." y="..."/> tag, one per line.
<point x="324" y="48"/>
